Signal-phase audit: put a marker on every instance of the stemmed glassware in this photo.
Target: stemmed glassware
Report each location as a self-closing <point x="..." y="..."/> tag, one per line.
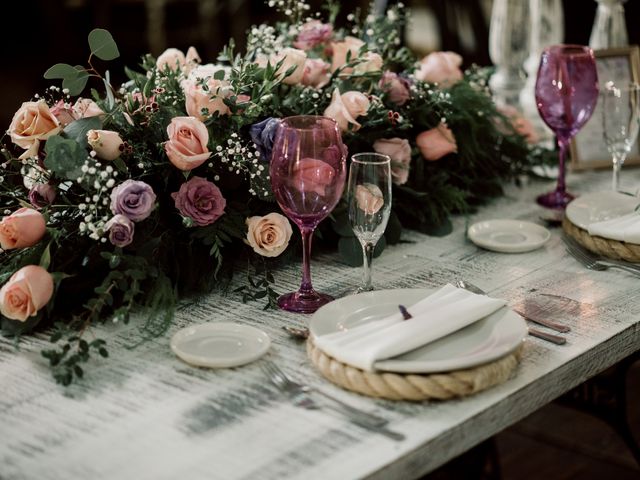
<point x="566" y="95"/>
<point x="620" y="111"/>
<point x="369" y="191"/>
<point x="308" y="171"/>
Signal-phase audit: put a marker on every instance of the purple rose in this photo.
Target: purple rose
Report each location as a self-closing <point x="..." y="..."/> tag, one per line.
<point x="263" y="133"/>
<point x="313" y="33"/>
<point x="41" y="195"/>
<point x="120" y="230"/>
<point x="200" y="200"/>
<point x="133" y="199"/>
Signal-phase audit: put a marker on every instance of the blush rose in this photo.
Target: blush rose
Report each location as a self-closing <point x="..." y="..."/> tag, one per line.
<point x="27" y="291"/>
<point x="187" y="145"/>
<point x="269" y="235"/>
<point x="23" y="228"/>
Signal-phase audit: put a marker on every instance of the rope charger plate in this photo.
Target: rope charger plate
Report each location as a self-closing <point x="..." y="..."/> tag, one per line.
<point x="473" y="359"/>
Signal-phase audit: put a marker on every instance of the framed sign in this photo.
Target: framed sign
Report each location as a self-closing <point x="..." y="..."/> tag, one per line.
<point x="588" y="149"/>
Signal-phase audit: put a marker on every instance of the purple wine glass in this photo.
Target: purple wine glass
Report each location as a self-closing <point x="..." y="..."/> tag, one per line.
<point x="566" y="95"/>
<point x="308" y="171"/>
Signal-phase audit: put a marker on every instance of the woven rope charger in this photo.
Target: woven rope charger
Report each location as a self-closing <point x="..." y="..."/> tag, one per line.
<point x="603" y="246"/>
<point x="416" y="387"/>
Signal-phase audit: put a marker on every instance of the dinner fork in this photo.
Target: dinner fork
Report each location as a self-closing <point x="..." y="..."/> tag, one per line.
<point x="594" y="262"/>
<point x="558" y="340"/>
<point x="301" y="396"/>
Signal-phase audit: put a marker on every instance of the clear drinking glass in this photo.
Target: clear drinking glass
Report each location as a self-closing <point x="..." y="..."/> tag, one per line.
<point x="369" y="204"/>
<point x="308" y="170"/>
<point x="566" y="95"/>
<point x="620" y="121"/>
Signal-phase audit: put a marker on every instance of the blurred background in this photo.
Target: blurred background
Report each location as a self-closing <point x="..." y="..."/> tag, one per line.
<point x="52" y="31"/>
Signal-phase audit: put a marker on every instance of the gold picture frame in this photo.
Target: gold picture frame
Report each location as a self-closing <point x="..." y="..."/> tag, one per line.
<point x="588" y="149"/>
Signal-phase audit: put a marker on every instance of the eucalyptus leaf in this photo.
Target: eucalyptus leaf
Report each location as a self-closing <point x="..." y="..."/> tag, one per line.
<point x="102" y="44"/>
<point x="219" y="75"/>
<point x="78" y="129"/>
<point x="75" y="84"/>
<point x="60" y="70"/>
<point x="65" y="157"/>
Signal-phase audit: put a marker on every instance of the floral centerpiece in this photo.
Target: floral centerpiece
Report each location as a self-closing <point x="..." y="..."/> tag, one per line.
<point x="124" y="200"/>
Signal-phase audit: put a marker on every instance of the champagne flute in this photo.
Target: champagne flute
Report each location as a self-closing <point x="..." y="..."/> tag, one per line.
<point x="369" y="204"/>
<point x="307" y="170"/>
<point x="620" y="111"/>
<point x="566" y="95"/>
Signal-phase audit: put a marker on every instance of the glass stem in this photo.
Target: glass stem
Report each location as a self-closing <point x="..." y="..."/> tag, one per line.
<point x="367" y="251"/>
<point x="563" y="144"/>
<point x="617" y="165"/>
<point x="307" y="236"/>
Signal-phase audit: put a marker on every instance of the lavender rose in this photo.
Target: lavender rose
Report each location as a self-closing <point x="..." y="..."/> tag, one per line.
<point x="263" y="134"/>
<point x="120" y="230"/>
<point x="133" y="199"/>
<point x="200" y="200"/>
<point x="41" y="195"/>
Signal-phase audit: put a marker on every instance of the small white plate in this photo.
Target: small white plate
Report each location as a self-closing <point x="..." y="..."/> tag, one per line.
<point x="508" y="236"/>
<point x="483" y="341"/>
<point x="598" y="207"/>
<point x="219" y="345"/>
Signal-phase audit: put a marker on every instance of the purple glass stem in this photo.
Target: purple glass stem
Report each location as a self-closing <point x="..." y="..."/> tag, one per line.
<point x="563" y="143"/>
<point x="307" y="237"/>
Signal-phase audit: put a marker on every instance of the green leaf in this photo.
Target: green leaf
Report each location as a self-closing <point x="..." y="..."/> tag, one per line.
<point x="76" y="83"/>
<point x="78" y="129"/>
<point x="65" y="157"/>
<point x="103" y="45"/>
<point x="45" y="259"/>
<point x="219" y="75"/>
<point x="60" y="70"/>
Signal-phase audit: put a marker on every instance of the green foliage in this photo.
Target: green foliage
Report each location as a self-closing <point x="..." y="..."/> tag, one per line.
<point x="259" y="288"/>
<point x="77" y="130"/>
<point x="102" y="44"/>
<point x="74" y="79"/>
<point x="65" y="157"/>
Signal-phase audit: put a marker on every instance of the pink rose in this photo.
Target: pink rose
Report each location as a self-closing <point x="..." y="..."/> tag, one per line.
<point x="436" y="143"/>
<point x="203" y="102"/>
<point x="269" y="235"/>
<point x="396" y="88"/>
<point x="26" y="292"/>
<point x="32" y="123"/>
<point x="290" y="57"/>
<point x="63" y="112"/>
<point x="192" y="60"/>
<point x="371" y="62"/>
<point x="340" y="50"/>
<point x="200" y="200"/>
<point x="440" y="67"/>
<point x="312" y="175"/>
<point x="520" y="124"/>
<point x="85" y="108"/>
<point x="106" y="143"/>
<point x="313" y="33"/>
<point x="187" y="145"/>
<point x="171" y="58"/>
<point x="399" y="150"/>
<point x="345" y="108"/>
<point x="316" y="73"/>
<point x="23" y="228"/>
<point x="369" y="198"/>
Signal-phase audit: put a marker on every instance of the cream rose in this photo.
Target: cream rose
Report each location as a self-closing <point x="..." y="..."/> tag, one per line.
<point x="436" y="143"/>
<point x="440" y="67"/>
<point x="187" y="145"/>
<point x="269" y="235"/>
<point x="369" y="198"/>
<point x="340" y="50"/>
<point x="203" y="103"/>
<point x="23" y="228"/>
<point x="171" y="58"/>
<point x="106" y="143"/>
<point x="372" y="62"/>
<point x="399" y="150"/>
<point x="26" y="292"/>
<point x="316" y="73"/>
<point x="192" y="60"/>
<point x="345" y="108"/>
<point x="290" y="57"/>
<point x="32" y="123"/>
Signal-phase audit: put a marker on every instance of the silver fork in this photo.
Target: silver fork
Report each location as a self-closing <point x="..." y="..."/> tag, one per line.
<point x="301" y="396"/>
<point x="594" y="262"/>
<point x="558" y="340"/>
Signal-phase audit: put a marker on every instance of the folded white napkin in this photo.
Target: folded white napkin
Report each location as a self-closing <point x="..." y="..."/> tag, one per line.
<point x="625" y="228"/>
<point x="441" y="313"/>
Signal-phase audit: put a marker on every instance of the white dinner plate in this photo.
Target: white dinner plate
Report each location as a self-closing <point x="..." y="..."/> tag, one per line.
<point x="481" y="342"/>
<point x="508" y="236"/>
<point x="219" y="345"/>
<point x="598" y="207"/>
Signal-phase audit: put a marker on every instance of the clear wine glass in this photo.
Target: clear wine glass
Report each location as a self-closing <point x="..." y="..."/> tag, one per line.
<point x="566" y="95"/>
<point x="620" y="112"/>
<point x="308" y="170"/>
<point x="369" y="190"/>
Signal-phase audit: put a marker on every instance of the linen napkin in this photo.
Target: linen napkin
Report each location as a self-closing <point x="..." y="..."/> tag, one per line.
<point x="441" y="313"/>
<point x="625" y="228"/>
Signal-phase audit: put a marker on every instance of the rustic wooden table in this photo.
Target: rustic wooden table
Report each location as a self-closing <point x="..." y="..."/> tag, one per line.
<point x="144" y="414"/>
